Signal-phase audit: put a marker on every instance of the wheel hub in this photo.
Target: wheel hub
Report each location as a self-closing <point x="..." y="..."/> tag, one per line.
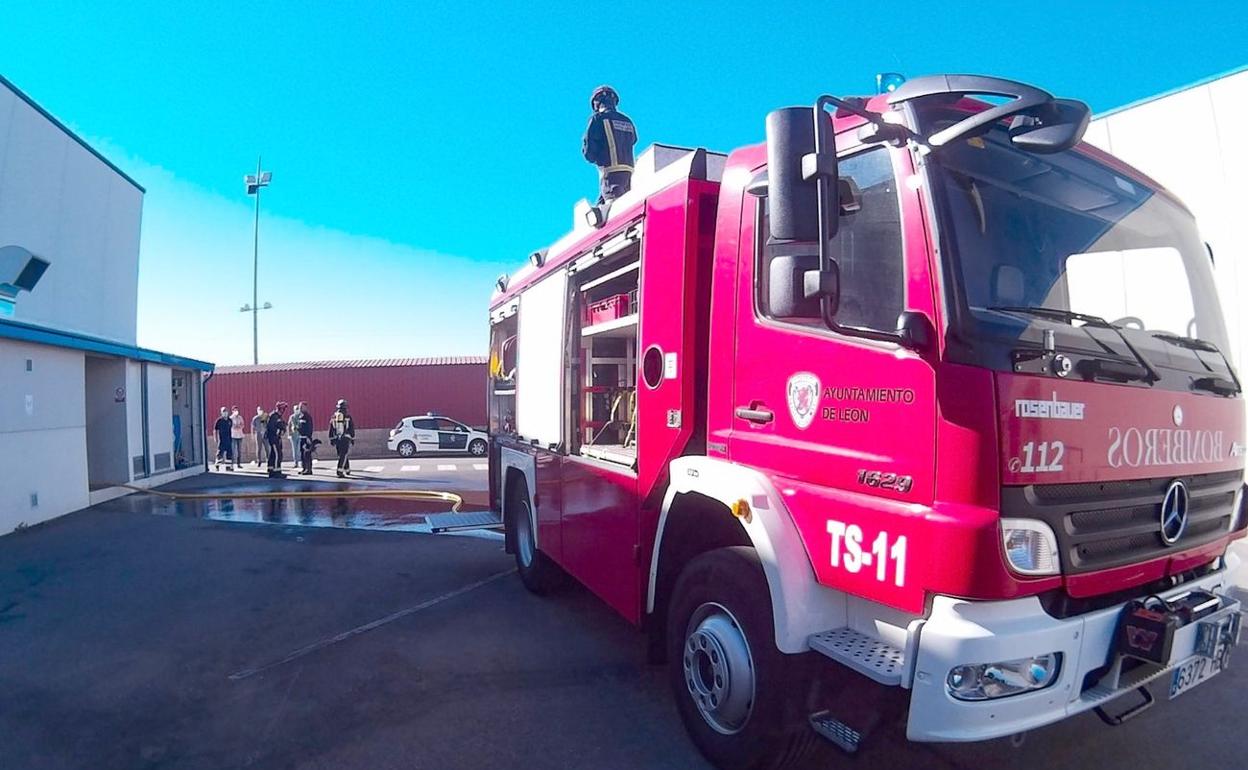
<point x="524" y="534"/>
<point x="719" y="670"/>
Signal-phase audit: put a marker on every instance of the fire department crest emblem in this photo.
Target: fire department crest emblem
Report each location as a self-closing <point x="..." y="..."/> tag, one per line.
<point x="803" y="398"/>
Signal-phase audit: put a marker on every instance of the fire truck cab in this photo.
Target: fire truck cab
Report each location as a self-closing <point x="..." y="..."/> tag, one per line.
<point x="915" y="411"/>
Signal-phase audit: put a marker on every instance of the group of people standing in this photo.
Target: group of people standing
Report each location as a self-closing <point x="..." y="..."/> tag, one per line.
<point x="270" y="431"/>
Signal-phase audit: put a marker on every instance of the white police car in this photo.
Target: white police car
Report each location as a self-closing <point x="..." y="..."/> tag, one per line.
<point x="435" y="433"/>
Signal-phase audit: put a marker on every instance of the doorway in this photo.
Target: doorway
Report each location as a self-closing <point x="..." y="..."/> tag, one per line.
<point x="107" y="450"/>
<point x="188" y="429"/>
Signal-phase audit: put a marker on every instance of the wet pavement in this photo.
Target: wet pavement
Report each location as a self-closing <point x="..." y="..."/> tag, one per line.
<point x="335" y="512"/>
<point x="325" y="510"/>
<point x="131" y="640"/>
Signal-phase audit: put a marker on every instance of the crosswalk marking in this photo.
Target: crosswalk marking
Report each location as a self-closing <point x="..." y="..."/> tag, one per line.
<point x="447" y="467"/>
<point x="480" y="466"/>
<point x="374" y="469"/>
<point x="410" y="468"/>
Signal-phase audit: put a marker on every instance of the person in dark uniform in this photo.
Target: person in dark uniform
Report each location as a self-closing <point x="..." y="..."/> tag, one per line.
<point x="608" y="144"/>
<point x="342" y="435"/>
<point x="225" y="442"/>
<point x="274" y="430"/>
<point x="303" y="424"/>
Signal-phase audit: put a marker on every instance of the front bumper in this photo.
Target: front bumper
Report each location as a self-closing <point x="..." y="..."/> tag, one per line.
<point x="958" y="631"/>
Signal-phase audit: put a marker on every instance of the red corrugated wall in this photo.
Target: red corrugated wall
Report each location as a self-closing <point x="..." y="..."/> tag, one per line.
<point x="379" y="396"/>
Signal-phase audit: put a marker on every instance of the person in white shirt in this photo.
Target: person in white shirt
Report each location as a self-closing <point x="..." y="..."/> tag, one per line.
<point x="236" y="435"/>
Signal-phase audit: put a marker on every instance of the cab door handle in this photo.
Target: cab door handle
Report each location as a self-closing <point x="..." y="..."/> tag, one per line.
<point x="756" y="413"/>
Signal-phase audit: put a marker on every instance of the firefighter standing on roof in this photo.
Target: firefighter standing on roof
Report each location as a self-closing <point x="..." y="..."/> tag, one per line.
<point x="608" y="144"/>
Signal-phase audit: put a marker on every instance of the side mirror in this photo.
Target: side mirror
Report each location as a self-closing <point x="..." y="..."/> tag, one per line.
<point x="914" y="331"/>
<point x="1053" y="127"/>
<point x="795" y="285"/>
<point x="792" y="194"/>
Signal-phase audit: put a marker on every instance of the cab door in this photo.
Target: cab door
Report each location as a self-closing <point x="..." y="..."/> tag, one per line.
<point x="842" y="412"/>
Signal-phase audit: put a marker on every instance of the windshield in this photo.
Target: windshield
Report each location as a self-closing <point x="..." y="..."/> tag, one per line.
<point x="1067" y="233"/>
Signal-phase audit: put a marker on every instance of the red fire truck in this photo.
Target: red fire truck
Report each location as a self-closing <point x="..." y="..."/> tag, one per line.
<point x="916" y="411"/>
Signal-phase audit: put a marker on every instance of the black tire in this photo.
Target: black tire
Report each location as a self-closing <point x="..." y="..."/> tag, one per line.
<point x="407" y="449"/>
<point x="478" y="448"/>
<point x="538" y="573"/>
<point x="722" y="595"/>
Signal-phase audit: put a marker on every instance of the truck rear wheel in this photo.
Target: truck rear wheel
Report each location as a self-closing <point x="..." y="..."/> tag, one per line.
<point x="538" y="573"/>
<point x="739" y="697"/>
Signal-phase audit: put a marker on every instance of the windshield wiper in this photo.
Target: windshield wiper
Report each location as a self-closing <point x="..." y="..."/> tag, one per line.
<point x="1191" y="343"/>
<point x="1214" y="384"/>
<point x="1148" y="374"/>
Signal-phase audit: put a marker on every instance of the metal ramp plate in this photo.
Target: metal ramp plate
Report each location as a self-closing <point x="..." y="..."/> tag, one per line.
<point x="450" y="522"/>
<point x="841" y="734"/>
<point x="865" y="654"/>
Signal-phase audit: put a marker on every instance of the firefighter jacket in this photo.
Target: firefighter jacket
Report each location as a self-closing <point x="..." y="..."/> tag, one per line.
<point x="341" y="426"/>
<point x="609" y="140"/>
<point x="275" y="427"/>
<point x="303" y="424"/>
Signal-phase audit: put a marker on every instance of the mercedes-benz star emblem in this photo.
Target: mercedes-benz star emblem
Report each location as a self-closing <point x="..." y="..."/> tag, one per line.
<point x="1174" y="512"/>
<point x="1177" y="415"/>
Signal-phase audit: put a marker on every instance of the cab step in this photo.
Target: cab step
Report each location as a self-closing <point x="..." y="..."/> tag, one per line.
<point x="865" y="654"/>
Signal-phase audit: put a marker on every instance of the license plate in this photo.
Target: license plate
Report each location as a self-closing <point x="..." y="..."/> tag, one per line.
<point x="1192" y="673"/>
<point x="1214" y="641"/>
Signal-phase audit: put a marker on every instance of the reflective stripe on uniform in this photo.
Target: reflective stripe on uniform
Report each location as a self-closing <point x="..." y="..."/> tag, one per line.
<point x="610" y="134"/>
<point x="613" y="169"/>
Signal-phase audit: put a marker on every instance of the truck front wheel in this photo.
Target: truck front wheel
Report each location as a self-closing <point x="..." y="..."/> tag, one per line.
<point x="739" y="697"/>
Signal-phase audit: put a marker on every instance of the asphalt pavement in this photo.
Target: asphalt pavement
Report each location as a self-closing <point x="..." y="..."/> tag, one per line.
<point x="132" y="640"/>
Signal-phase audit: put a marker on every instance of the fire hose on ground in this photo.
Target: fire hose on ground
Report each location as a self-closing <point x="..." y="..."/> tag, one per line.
<point x="391" y="494"/>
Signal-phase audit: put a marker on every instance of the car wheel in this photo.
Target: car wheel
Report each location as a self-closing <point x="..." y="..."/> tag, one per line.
<point x="406" y="449"/>
<point x="478" y="448"/>
<point x="740" y="698"/>
<point x="538" y="573"/>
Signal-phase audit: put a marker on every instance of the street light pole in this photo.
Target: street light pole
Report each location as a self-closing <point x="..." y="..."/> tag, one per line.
<point x="254" y="185"/>
<point x="255" y="278"/>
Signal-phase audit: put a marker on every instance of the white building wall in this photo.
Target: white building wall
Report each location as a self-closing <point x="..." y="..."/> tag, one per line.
<point x="1189" y="142"/>
<point x="64" y="204"/>
<point x="68" y="206"/>
<point x="43" y="449"/>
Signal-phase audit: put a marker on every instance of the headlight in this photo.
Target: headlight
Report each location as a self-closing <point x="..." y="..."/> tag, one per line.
<point x="1237" y="509"/>
<point x="1030" y="546"/>
<point x="985" y="681"/>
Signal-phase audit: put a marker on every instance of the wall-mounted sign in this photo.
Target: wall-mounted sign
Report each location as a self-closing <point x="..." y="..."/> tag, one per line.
<point x="119" y="395"/>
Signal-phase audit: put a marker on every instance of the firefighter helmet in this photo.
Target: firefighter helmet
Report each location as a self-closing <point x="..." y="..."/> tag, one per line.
<point x="604" y="95"/>
<point x="342" y="403"/>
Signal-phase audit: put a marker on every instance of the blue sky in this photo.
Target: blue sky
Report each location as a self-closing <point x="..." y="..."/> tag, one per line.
<point x="419" y="149"/>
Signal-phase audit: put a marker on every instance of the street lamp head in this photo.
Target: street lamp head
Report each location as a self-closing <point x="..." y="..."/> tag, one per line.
<point x="267" y="306"/>
<point x="245" y="308"/>
<point x="255" y="181"/>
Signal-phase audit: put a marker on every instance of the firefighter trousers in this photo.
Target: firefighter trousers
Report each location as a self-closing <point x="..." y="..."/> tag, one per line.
<point x="613" y="184"/>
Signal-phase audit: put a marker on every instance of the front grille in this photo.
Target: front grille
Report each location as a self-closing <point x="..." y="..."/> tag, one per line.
<point x="1107" y="524"/>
